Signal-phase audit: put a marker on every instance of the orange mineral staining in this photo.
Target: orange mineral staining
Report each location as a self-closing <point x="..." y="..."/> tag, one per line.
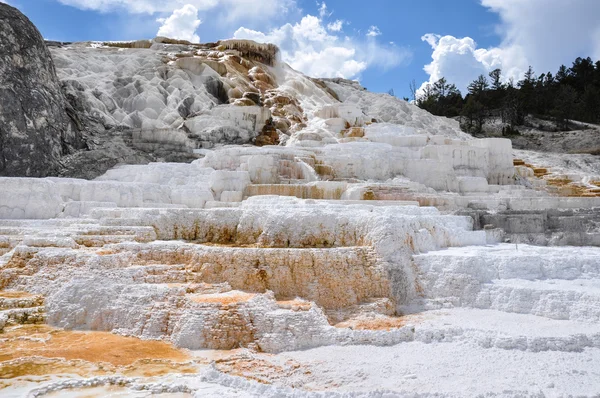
<point x="223" y="299"/>
<point x="44" y="341"/>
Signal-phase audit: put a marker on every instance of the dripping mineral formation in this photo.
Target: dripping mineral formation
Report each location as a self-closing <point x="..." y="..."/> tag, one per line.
<point x="212" y="222"/>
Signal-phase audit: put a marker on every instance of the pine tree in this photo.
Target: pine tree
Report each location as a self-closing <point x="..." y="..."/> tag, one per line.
<point x="571" y="93"/>
<point x="474" y="112"/>
<point x="496" y="75"/>
<point x="527" y="91"/>
<point x="478" y="86"/>
<point x="562" y="75"/>
<point x="564" y="106"/>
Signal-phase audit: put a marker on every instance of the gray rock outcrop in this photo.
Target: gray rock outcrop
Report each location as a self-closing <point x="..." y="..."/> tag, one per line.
<point x="35" y="127"/>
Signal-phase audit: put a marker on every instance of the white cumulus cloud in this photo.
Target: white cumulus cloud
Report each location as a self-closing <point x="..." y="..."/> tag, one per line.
<point x="540" y="33"/>
<point x="309" y="47"/>
<point x="460" y="61"/>
<point x="335" y="26"/>
<point x="549" y="32"/>
<point x="374" y="31"/>
<point x="182" y="24"/>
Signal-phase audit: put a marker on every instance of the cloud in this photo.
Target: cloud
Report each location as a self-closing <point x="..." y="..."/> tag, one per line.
<point x="549" y="32"/>
<point x="182" y="24"/>
<point x="540" y="33"/>
<point x="374" y="31"/>
<point x="229" y="10"/>
<point x="335" y="26"/>
<point x="459" y="60"/>
<point x="323" y="10"/>
<point x="308" y="47"/>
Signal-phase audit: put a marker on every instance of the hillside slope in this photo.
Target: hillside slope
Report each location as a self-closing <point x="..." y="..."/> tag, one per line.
<point x="167" y="101"/>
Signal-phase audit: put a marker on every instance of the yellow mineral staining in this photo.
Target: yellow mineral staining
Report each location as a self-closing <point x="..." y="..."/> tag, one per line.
<point x="368" y="195"/>
<point x="268" y="136"/>
<point x="41" y="351"/>
<point x="105" y="252"/>
<point x="129" y="44"/>
<point x="302" y="191"/>
<point x="556" y="184"/>
<point x="167" y="257"/>
<point x="263" y="53"/>
<point x="285" y="107"/>
<point x="244" y="102"/>
<point x="158" y="367"/>
<point x="333" y="279"/>
<point x="15" y="294"/>
<point x="566" y="187"/>
<point x="295" y="305"/>
<point x="242" y="62"/>
<point x="233" y="297"/>
<point x="183" y="55"/>
<point x="321" y="84"/>
<point x="373" y="323"/>
<point x="18" y="261"/>
<point x="258" y="368"/>
<point x="112" y="391"/>
<point x="216" y="244"/>
<point x="40" y="366"/>
<point x="168" y="40"/>
<point x="324" y="171"/>
<point x="259" y="75"/>
<point x="378" y="322"/>
<point x="354" y="132"/>
<point x="45" y="341"/>
<point x="229" y="328"/>
<point x="537" y="171"/>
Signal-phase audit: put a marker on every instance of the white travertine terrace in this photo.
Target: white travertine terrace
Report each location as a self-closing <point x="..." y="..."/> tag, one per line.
<point x="373" y="224"/>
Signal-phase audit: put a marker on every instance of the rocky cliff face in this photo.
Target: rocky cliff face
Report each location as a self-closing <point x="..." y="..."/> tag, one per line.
<point x="35" y="127"/>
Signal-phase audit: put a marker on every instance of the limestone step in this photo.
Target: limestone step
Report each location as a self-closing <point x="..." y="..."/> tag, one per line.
<point x="102" y="235"/>
<point x="508" y="261"/>
<point x="161" y="273"/>
<point x="44" y="224"/>
<point x="22" y="316"/>
<point x="554" y="282"/>
<point x="13" y="299"/>
<point x="556" y="238"/>
<point x="508" y="331"/>
<point x="103" y="240"/>
<point x="21" y="308"/>
<point x="577" y="300"/>
<point x="122" y="222"/>
<point x="117" y="230"/>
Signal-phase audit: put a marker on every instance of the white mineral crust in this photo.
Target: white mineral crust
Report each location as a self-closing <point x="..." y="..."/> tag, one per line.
<point x="374" y="211"/>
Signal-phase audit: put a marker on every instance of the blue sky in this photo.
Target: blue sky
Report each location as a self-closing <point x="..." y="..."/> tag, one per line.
<point x="379" y="42"/>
